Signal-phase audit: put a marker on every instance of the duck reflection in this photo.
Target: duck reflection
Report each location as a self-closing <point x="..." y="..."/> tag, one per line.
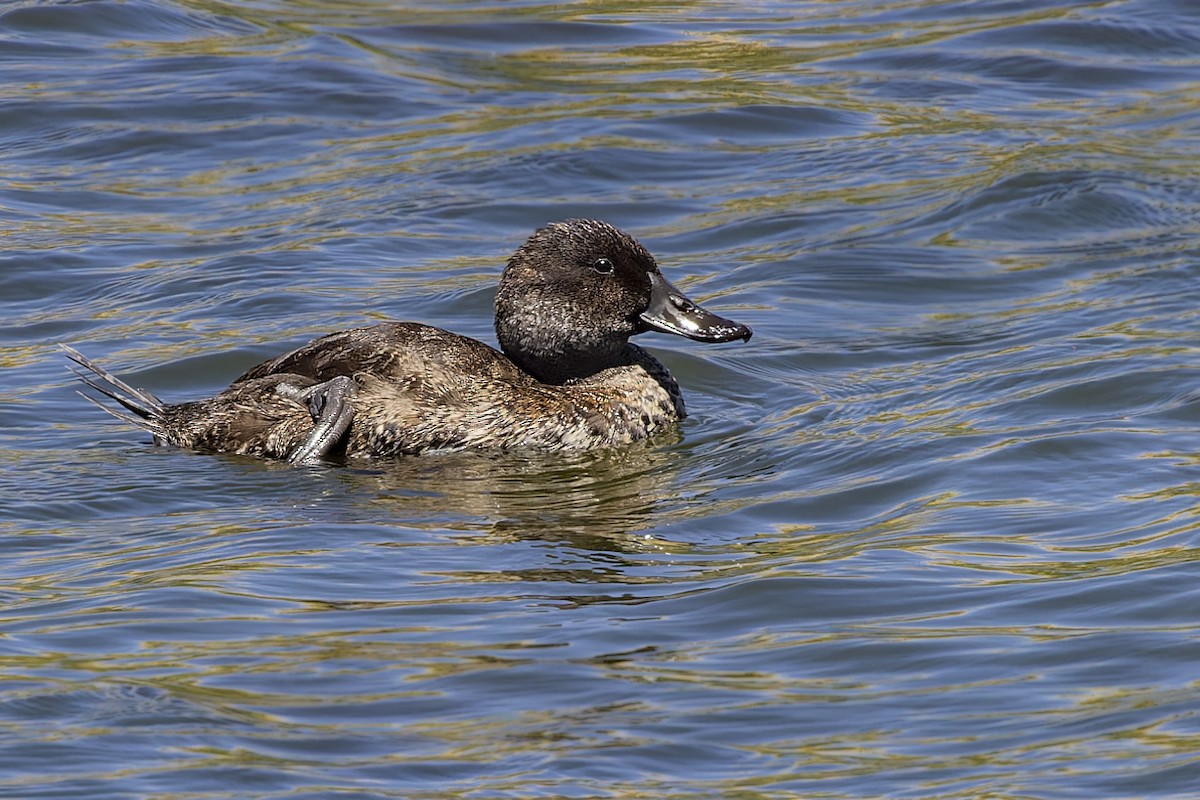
<point x="597" y="501"/>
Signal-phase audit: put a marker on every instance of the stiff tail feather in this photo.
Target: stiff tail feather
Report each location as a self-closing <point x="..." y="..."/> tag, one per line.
<point x="148" y="410"/>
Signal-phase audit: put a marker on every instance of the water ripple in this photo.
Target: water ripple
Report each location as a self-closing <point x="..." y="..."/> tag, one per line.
<point x="932" y="532"/>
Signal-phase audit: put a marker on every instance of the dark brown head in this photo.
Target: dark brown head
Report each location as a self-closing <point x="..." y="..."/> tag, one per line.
<point x="574" y="293"/>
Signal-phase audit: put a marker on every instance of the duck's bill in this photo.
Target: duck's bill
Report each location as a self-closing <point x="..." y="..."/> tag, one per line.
<point x="671" y="311"/>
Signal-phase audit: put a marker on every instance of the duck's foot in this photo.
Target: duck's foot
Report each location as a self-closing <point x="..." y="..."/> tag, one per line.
<point x="332" y="411"/>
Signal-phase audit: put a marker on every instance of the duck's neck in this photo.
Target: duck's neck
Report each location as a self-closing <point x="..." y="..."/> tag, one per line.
<point x="537" y="342"/>
<point x="558" y="366"/>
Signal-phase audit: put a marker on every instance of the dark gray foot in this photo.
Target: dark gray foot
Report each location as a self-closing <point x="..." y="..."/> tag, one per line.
<point x="332" y="411"/>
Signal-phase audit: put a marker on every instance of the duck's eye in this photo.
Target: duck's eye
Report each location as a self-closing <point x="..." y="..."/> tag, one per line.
<point x="602" y="265"/>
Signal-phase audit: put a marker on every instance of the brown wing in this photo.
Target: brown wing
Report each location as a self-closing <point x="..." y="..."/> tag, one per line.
<point x="391" y="351"/>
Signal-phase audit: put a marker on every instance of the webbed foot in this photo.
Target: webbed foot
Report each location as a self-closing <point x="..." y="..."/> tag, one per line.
<point x="332" y="411"/>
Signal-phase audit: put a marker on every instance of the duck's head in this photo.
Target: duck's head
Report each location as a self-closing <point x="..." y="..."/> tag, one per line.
<point x="574" y="293"/>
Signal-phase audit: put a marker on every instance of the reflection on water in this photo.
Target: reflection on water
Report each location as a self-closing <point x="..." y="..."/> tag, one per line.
<point x="602" y="501"/>
<point x="933" y="533"/>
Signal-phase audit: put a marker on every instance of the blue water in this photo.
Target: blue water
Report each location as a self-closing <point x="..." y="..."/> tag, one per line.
<point x="932" y="533"/>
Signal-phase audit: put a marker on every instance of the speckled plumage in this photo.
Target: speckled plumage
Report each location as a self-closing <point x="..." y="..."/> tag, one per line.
<point x="568" y="378"/>
<point x="421" y="388"/>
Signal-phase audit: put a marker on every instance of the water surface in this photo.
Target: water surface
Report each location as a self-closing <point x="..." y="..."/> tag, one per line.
<point x="932" y="533"/>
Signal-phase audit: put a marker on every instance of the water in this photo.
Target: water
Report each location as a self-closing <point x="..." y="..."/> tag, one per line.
<point x="932" y="533"/>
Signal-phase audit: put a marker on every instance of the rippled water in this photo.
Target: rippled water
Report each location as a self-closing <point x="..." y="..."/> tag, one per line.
<point x="932" y="533"/>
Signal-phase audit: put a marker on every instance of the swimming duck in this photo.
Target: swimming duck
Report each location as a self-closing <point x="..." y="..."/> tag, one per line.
<point x="569" y="300"/>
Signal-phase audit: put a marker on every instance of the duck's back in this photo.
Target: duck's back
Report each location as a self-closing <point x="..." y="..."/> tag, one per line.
<point x="395" y="351"/>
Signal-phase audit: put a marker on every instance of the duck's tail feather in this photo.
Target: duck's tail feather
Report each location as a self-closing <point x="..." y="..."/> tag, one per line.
<point x="148" y="410"/>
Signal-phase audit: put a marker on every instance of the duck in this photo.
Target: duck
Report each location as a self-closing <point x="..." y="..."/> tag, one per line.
<point x="566" y="376"/>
